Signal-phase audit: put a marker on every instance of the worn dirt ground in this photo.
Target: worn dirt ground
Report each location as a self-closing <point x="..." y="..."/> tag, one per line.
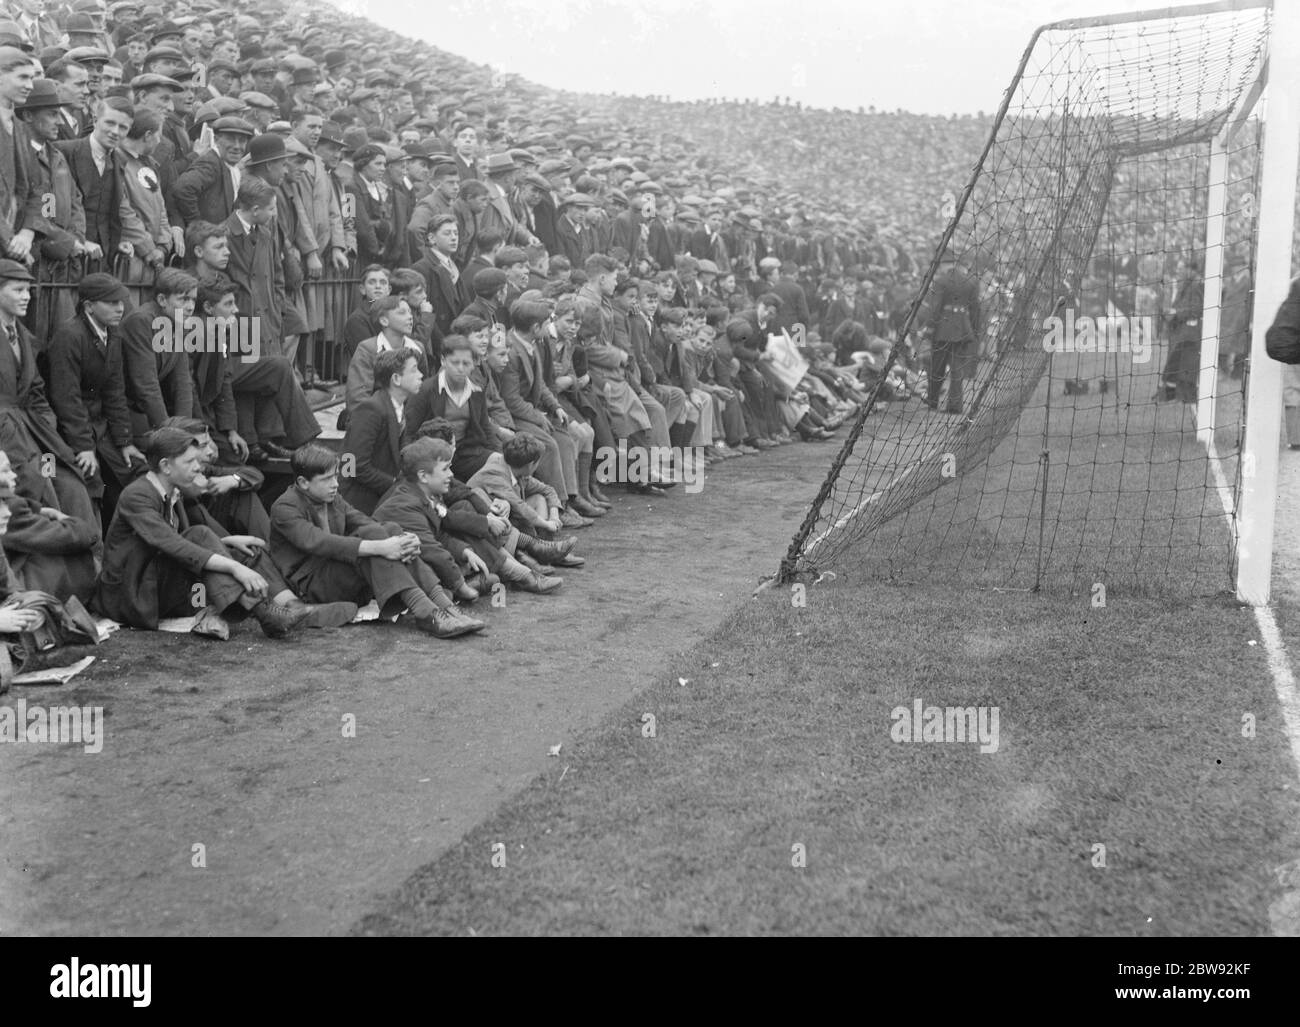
<point x="239" y="747"/>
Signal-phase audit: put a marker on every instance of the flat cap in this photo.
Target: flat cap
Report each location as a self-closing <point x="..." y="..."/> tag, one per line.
<point x="12" y="271"/>
<point x="163" y="53"/>
<point x="259" y="100"/>
<point x="101" y="287"/>
<point x="235" y="126"/>
<point x="149" y="81"/>
<point x="488" y="281"/>
<point x="87" y="55"/>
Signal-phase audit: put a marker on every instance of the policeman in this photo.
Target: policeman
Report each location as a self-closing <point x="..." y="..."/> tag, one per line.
<point x="953" y="325"/>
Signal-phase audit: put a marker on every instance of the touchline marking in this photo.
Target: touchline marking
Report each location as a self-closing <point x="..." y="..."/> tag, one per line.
<point x="867" y="502"/>
<point x="1279" y="664"/>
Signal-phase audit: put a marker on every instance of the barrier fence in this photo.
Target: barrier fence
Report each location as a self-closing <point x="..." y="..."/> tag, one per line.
<point x="54" y="300"/>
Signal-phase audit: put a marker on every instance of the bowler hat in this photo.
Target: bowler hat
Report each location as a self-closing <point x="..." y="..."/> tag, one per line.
<point x="266" y="148"/>
<point x="44" y="94"/>
<point x="330" y="133"/>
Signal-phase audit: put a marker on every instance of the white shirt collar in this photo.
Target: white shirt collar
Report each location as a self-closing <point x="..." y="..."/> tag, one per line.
<point x="459" y="398"/>
<point x="97" y="152"/>
<point x="382" y="344"/>
<point x="158" y="487"/>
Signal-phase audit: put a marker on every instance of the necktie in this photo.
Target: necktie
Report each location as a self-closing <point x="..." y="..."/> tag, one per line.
<point x="172" y="517"/>
<point x="12" y="334"/>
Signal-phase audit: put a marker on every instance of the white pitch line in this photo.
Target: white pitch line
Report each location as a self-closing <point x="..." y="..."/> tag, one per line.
<point x="1279" y="664"/>
<point x="865" y="503"/>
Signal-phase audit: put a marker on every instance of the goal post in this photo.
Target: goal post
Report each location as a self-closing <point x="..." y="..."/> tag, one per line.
<point x="1136" y="189"/>
<point x="1281" y="161"/>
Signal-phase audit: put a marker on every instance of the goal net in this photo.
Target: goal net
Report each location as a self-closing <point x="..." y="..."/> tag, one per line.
<point x="1108" y="231"/>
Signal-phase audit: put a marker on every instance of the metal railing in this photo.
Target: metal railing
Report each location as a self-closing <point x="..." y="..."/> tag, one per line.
<point x="54" y="300"/>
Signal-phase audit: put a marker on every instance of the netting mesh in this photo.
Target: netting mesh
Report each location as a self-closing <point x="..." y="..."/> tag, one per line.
<point x="1073" y="456"/>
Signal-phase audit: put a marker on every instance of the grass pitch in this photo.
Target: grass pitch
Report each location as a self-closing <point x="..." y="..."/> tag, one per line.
<point x="1121" y="727"/>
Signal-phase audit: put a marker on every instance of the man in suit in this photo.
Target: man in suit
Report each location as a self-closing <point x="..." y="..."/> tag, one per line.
<point x="20" y="201"/>
<point x="112" y="223"/>
<point x="325" y="224"/>
<point x="207" y="189"/>
<point x="499" y="216"/>
<point x="329" y="551"/>
<point x="708" y="242"/>
<point x="41" y="29"/>
<point x="374" y="437"/>
<point x="256" y="265"/>
<point x="469" y="209"/>
<point x="401" y="189"/>
<point x="538" y="219"/>
<point x="154" y="556"/>
<point x="62" y="227"/>
<point x="73" y="83"/>
<point x="159" y="94"/>
<point x="46" y="468"/>
<point x="83" y="365"/>
<point x="572" y="236"/>
<point x="329" y="148"/>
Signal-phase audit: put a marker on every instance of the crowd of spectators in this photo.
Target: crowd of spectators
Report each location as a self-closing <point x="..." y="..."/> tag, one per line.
<point x="501" y="281"/>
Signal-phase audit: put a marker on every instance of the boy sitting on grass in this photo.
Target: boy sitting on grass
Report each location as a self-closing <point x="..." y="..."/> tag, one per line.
<point x="418" y="503"/>
<point x="534" y="506"/>
<point x="328" y="550"/>
<point x="473" y="519"/>
<point x="154" y="557"/>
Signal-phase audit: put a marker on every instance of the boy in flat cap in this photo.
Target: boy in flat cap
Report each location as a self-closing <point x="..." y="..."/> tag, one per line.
<point x="83" y="365"/>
